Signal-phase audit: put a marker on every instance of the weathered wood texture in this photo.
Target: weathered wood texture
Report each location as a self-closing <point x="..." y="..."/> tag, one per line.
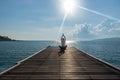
<point x="73" y="64"/>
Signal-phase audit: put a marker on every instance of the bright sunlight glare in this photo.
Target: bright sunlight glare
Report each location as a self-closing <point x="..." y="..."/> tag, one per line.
<point x="69" y="6"/>
<point x="70" y="43"/>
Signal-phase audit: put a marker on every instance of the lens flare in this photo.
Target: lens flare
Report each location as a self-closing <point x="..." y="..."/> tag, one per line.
<point x="70" y="5"/>
<point x="98" y="13"/>
<point x="62" y="24"/>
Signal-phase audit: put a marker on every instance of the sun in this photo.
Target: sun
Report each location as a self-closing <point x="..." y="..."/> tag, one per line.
<point x="69" y="6"/>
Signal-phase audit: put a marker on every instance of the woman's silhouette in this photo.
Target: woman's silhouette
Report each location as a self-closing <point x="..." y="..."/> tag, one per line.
<point x="63" y="45"/>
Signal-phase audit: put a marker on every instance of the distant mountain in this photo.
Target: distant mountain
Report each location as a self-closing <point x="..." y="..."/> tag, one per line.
<point x="5" y="38"/>
<point x="108" y="39"/>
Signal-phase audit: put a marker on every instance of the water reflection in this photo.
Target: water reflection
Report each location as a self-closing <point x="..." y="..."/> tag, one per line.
<point x="70" y="43"/>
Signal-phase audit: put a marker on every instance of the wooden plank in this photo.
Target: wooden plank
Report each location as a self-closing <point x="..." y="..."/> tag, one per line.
<point x="73" y="64"/>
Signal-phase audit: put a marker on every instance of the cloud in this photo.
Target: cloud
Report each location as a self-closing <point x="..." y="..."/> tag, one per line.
<point x="108" y="28"/>
<point x="81" y="31"/>
<point x="105" y="29"/>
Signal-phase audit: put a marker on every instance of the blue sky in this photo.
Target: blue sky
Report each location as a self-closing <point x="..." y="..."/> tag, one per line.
<point x="41" y="19"/>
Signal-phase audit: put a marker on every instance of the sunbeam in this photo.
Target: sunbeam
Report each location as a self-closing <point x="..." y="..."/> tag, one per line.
<point x="62" y="24"/>
<point x="68" y="7"/>
<point x="98" y="13"/>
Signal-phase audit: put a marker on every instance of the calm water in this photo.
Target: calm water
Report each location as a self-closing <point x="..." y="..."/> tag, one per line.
<point x="108" y="51"/>
<point x="12" y="52"/>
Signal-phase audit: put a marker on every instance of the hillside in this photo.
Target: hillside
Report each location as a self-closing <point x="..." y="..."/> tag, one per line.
<point x="103" y="41"/>
<point x="107" y="40"/>
<point x="5" y="38"/>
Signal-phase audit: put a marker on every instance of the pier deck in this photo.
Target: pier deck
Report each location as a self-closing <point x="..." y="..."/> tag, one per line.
<point x="73" y="64"/>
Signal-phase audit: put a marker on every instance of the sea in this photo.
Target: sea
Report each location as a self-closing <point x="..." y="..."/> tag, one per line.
<point x="13" y="51"/>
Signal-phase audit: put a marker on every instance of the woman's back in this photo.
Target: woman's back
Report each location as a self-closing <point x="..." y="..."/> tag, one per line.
<point x="63" y="40"/>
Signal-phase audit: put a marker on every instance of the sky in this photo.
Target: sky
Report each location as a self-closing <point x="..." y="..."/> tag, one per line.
<point x="47" y="19"/>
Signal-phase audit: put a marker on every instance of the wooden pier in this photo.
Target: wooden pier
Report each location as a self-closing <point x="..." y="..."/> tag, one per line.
<point x="73" y="64"/>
